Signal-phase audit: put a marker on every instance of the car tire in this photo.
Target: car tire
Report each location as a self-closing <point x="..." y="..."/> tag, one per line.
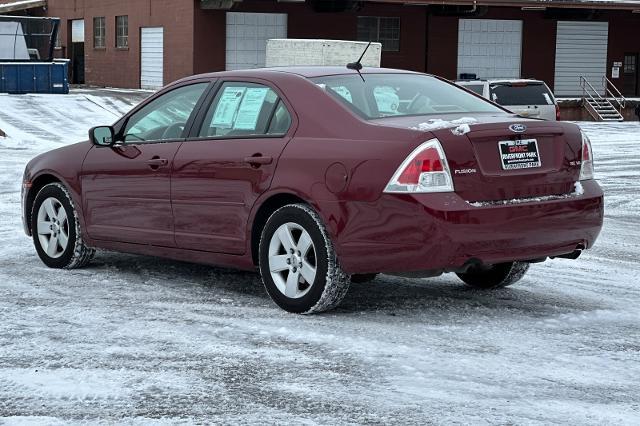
<point x="56" y="229"/>
<point x="295" y="249"/>
<point x="494" y="276"/>
<point x="363" y="278"/>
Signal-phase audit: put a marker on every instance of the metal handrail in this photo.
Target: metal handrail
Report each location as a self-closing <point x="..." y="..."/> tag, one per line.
<point x="606" y="83"/>
<point x="583" y="83"/>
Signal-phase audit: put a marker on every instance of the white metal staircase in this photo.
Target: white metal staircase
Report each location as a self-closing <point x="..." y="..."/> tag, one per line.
<point x="604" y="105"/>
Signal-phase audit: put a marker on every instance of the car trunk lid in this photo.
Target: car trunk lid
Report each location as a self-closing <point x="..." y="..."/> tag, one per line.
<point x="513" y="160"/>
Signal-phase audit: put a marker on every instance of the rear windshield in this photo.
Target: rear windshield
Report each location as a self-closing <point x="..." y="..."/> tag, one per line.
<point x="385" y="95"/>
<point x="529" y="94"/>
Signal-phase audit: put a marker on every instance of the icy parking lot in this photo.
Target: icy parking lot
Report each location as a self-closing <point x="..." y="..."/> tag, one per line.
<point x="137" y="339"/>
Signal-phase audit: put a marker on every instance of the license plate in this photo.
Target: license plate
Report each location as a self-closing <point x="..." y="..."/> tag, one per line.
<point x="520" y="154"/>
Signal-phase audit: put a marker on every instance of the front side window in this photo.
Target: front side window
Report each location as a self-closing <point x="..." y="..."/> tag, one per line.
<point x="99" y="32"/>
<point x="384" y="95"/>
<point x="245" y="109"/>
<point x="382" y="29"/>
<point x="165" y="117"/>
<point x="122" y="31"/>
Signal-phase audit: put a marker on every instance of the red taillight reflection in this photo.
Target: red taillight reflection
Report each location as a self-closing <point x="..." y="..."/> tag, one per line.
<point x="586" y="155"/>
<point x="557" y="113"/>
<point x="427" y="161"/>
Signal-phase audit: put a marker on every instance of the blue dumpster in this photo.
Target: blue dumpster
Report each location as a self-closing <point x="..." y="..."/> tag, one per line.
<point x="34" y="77"/>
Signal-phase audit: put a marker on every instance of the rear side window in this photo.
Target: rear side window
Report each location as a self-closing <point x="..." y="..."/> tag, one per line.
<point x="477" y="88"/>
<point x="245" y="109"/>
<point x="526" y="94"/>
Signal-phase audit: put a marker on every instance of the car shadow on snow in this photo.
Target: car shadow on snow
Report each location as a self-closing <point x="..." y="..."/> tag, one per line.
<point x="441" y="296"/>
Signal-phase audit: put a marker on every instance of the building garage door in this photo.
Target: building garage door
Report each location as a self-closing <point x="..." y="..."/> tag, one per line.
<point x="489" y="48"/>
<point x="247" y="35"/>
<point x="151" y="57"/>
<point x="581" y="49"/>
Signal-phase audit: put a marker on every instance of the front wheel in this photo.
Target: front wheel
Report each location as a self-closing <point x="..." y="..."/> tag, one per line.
<point x="494" y="276"/>
<point x="56" y="229"/>
<point x="298" y="264"/>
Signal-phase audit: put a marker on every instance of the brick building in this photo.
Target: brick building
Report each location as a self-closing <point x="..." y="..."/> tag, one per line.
<point x="147" y="43"/>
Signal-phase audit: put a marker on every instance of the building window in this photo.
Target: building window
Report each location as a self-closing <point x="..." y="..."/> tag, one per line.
<point x="99" y="33"/>
<point x="630" y="63"/>
<point x="122" y="31"/>
<point x="385" y="30"/>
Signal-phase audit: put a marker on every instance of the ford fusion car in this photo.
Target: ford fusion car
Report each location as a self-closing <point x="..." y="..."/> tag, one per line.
<point x="319" y="176"/>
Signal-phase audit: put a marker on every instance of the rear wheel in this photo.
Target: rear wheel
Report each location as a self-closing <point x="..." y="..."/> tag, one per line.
<point x="494" y="276"/>
<point x="298" y="263"/>
<point x="56" y="229"/>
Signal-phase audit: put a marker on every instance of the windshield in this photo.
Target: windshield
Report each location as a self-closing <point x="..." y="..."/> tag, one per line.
<point x="521" y="94"/>
<point x="385" y="95"/>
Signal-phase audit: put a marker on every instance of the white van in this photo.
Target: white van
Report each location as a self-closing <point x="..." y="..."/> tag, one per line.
<point x="525" y="97"/>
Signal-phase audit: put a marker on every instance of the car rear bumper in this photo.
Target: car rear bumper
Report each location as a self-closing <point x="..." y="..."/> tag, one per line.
<point x="442" y="232"/>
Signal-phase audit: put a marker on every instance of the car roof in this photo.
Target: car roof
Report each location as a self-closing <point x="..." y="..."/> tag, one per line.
<point x="304" y="71"/>
<point x="501" y="80"/>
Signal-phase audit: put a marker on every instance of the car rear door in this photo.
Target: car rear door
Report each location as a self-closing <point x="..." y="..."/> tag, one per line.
<point x="226" y="163"/>
<point x="126" y="188"/>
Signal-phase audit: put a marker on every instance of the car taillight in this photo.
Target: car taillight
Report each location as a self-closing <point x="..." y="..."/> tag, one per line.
<point x="586" y="165"/>
<point x="425" y="170"/>
<point x="557" y="113"/>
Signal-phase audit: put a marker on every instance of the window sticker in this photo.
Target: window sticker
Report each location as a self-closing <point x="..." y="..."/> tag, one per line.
<point x="344" y="92"/>
<point x="227" y="107"/>
<point x="386" y="99"/>
<point x="250" y="107"/>
<point x="547" y="98"/>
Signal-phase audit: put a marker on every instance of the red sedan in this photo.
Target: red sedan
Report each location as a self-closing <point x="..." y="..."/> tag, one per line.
<point x="319" y="176"/>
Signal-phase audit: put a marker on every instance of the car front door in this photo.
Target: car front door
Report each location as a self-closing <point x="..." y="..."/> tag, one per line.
<point x="126" y="188"/>
<point x="221" y="170"/>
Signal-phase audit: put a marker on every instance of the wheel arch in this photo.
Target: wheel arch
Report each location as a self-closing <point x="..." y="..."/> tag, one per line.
<point x="266" y="209"/>
<point x="37" y="184"/>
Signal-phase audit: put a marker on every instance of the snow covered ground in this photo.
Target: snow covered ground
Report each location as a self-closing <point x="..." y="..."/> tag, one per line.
<point x="137" y="339"/>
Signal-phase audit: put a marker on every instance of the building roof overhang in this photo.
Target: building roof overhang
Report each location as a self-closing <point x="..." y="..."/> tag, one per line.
<point x="532" y="4"/>
<point x="15" y="6"/>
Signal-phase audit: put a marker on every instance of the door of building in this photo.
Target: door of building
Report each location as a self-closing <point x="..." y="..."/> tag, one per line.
<point x="489" y="48"/>
<point x="581" y="51"/>
<point x="151" y="57"/>
<point x="247" y="35"/>
<point x="630" y="74"/>
<point x="77" y="51"/>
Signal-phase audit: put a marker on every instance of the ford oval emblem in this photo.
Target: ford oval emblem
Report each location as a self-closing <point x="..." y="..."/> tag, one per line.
<point x="517" y="128"/>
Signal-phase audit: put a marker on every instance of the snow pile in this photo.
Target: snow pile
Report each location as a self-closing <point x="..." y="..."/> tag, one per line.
<point x="461" y="125"/>
<point x="137" y="340"/>
<point x="577" y="191"/>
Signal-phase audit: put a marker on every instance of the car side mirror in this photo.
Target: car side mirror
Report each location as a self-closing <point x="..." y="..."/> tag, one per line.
<point x="102" y="136"/>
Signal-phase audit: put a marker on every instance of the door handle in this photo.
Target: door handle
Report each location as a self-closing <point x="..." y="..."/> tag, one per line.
<point x="157" y="162"/>
<point x="258" y="160"/>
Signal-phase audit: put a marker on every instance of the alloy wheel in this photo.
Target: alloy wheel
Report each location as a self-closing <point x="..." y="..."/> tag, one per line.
<point x="292" y="260"/>
<point x="53" y="227"/>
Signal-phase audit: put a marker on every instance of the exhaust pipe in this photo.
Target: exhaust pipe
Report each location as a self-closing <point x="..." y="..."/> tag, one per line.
<point x="573" y="255"/>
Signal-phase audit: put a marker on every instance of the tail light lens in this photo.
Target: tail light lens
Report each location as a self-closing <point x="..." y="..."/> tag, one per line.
<point x="586" y="165"/>
<point x="425" y="170"/>
<point x="557" y="113"/>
